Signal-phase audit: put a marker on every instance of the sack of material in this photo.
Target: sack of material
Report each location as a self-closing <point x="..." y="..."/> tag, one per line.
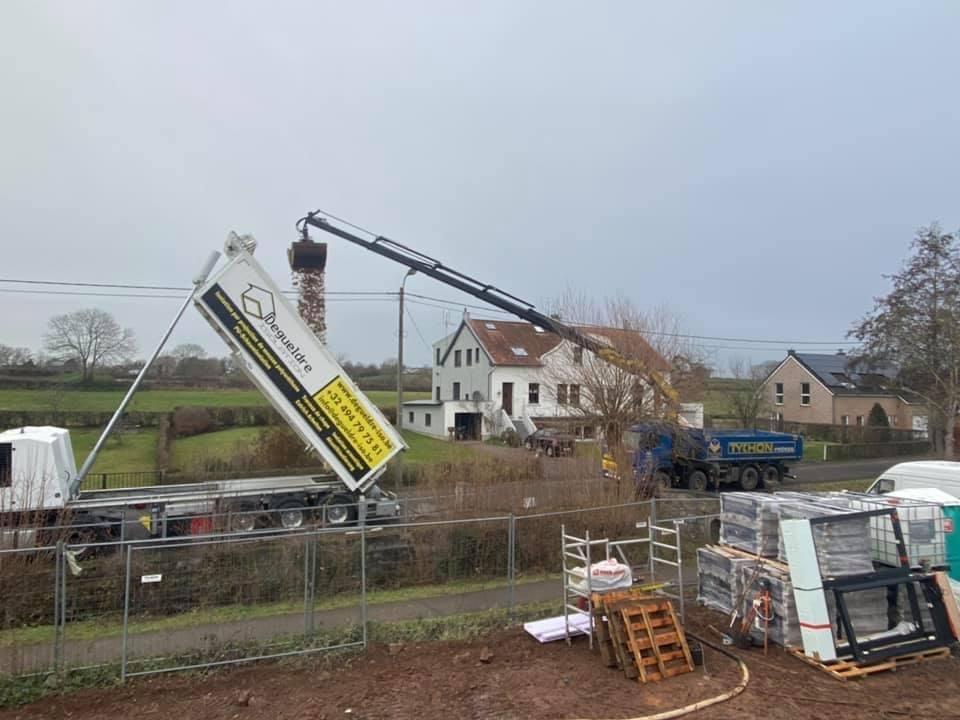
<point x="604" y="575"/>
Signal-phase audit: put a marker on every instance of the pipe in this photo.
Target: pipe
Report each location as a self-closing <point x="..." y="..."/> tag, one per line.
<point x="699" y="705"/>
<point x="200" y="278"/>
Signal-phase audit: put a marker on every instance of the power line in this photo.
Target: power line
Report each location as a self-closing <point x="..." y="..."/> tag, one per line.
<point x="417" y="328"/>
<point x="357" y="295"/>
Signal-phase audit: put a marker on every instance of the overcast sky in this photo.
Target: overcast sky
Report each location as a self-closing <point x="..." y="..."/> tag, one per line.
<point x="757" y="165"/>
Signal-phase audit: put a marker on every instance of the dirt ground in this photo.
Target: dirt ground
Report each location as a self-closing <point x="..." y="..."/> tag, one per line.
<point x="510" y="675"/>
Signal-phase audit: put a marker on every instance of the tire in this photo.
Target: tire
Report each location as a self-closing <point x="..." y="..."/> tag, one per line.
<point x="749" y="478"/>
<point x="771" y="476"/>
<point x="662" y="481"/>
<point x="340" y="510"/>
<point x="698" y="481"/>
<point x="244" y="520"/>
<point x="292" y="515"/>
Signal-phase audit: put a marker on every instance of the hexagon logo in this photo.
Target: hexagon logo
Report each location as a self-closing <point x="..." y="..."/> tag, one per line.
<point x="714" y="447"/>
<point x="257" y="302"/>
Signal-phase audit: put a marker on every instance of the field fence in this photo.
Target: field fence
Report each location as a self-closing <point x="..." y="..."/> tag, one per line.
<point x="216" y="597"/>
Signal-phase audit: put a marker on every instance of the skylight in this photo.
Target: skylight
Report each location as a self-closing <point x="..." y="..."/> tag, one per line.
<point x="519" y="351"/>
<point x="490" y="326"/>
<point x="538" y="329"/>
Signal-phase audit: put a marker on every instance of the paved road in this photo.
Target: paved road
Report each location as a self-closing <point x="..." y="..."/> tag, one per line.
<point x="847" y="470"/>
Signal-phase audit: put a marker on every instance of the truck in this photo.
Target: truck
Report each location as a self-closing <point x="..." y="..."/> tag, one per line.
<point x="672" y="456"/>
<point x="40" y="485"/>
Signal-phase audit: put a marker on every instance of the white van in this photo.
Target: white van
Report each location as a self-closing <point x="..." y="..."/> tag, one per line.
<point x="939" y="474"/>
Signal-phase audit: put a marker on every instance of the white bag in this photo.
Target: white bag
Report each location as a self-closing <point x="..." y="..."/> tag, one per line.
<point x="604" y="575"/>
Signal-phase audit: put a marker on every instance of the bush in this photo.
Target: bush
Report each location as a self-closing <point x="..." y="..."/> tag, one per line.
<point x="189" y="421"/>
<point x="510" y="438"/>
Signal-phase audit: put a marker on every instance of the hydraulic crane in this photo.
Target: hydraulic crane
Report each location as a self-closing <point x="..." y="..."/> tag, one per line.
<point x="308" y="254"/>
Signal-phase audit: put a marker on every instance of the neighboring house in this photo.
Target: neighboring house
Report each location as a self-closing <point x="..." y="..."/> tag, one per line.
<point x="828" y="390"/>
<point x="494" y="375"/>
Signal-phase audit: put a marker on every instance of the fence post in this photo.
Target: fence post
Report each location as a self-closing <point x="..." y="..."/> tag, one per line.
<point x="103" y="481"/>
<point x="63" y="609"/>
<point x="824" y="452"/>
<point x="511" y="564"/>
<point x="57" y="614"/>
<point x="309" y="583"/>
<point x="362" y="514"/>
<point x="653" y="532"/>
<point x="126" y="617"/>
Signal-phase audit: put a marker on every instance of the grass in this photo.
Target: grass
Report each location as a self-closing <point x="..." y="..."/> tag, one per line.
<point x="155" y="400"/>
<point x="102" y="627"/>
<point x="221" y="445"/>
<point x="425" y="449"/>
<point x="853" y="485"/>
<point x="128" y="452"/>
<point x="813" y="450"/>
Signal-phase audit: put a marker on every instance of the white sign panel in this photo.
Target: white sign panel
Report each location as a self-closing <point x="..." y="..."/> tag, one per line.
<point x="298" y="375"/>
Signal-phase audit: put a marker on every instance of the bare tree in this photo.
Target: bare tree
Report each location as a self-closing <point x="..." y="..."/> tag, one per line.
<point x="916" y="329"/>
<point x="743" y="396"/>
<point x="92" y="337"/>
<point x="586" y="386"/>
<point x="14" y="355"/>
<point x="188" y="350"/>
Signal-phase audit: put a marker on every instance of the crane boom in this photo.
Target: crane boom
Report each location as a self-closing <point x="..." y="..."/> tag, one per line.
<point x="490" y="294"/>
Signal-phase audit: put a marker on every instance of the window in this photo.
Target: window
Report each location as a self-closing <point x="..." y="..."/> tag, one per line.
<point x="469" y="357"/>
<point x="6" y="465"/>
<point x="490" y="326"/>
<point x="457" y="358"/>
<point x="894" y="419"/>
<point x="519" y="351"/>
<point x="578" y="356"/>
<point x="438" y="357"/>
<point x="844" y="419"/>
<point x="778" y="393"/>
<point x="884" y="486"/>
<point x="561" y="394"/>
<point x="437" y="398"/>
<point x="427" y="417"/>
<point x="410" y="416"/>
<point x="804" y="394"/>
<point x="456" y="391"/>
<point x="476" y="355"/>
<point x="537" y="329"/>
<point x="533" y="393"/>
<point x="859" y="420"/>
<point x="575" y="395"/>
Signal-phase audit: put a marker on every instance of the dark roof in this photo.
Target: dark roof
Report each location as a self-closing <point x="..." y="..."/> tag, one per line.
<point x="521" y="343"/>
<point x="845" y="376"/>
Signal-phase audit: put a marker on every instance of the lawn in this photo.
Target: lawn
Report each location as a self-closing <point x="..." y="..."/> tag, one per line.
<point x="190" y="452"/>
<point x="127" y="452"/>
<point x="155" y="400"/>
<point x="813" y="450"/>
<point x="424" y="449"/>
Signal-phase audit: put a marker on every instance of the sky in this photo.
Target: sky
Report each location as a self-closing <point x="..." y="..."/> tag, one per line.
<point x="756" y="166"/>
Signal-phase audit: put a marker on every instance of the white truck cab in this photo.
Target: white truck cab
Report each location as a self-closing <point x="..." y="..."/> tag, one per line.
<point x="36" y="467"/>
<point x="939" y="474"/>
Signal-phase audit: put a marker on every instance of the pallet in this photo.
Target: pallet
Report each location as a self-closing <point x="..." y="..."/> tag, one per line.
<point x="611" y="636"/>
<point x="733" y="552"/>
<point x="847" y="669"/>
<point x="656" y="640"/>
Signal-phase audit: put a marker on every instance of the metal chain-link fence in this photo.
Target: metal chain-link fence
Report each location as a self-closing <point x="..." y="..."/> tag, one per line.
<point x="219" y="597"/>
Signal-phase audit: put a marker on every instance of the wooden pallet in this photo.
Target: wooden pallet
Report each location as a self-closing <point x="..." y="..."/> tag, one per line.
<point x="656" y="640"/>
<point x="733" y="552"/>
<point x="848" y="669"/>
<point x="612" y="640"/>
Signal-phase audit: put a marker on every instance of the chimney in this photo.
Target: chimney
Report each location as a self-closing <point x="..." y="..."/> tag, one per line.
<point x="791" y="352"/>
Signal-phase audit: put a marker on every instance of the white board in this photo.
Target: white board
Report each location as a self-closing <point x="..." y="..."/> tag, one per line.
<point x="296" y="373"/>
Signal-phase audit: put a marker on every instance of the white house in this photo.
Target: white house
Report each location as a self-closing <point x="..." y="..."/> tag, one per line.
<point x="494" y="375"/>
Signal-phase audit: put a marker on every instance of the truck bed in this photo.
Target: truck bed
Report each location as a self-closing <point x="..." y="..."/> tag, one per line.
<point x="207" y="491"/>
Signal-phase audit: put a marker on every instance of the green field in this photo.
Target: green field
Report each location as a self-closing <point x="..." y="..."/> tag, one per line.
<point x="155" y="400"/>
<point x="190" y="452"/>
<point x="425" y="449"/>
<point x="127" y="452"/>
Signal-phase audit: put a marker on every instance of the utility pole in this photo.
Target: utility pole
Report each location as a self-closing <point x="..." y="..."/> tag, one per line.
<point x="399" y="475"/>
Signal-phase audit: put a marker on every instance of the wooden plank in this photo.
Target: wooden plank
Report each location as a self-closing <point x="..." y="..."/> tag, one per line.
<point x="636" y="650"/>
<point x="654" y="648"/>
<point x="621" y="646"/>
<point x="683" y="639"/>
<point x="949" y="603"/>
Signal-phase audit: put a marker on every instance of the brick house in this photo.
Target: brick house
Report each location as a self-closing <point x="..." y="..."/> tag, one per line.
<point x="829" y="390"/>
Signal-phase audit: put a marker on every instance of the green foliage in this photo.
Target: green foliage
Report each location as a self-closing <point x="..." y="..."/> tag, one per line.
<point x="878" y="417"/>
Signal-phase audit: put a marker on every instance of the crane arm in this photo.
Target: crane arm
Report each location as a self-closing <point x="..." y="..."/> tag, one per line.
<point x="489" y="294"/>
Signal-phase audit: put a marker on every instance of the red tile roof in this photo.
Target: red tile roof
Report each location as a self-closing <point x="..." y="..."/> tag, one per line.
<point x="503" y="339"/>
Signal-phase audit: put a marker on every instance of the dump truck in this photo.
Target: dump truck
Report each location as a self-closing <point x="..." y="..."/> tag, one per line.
<point x="671" y="456"/>
<point x="40" y="485"/>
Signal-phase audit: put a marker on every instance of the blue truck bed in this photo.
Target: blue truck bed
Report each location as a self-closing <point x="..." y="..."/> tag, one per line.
<point x="757" y="445"/>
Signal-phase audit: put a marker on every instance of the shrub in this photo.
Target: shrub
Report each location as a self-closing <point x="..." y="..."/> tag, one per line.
<point x="189" y="421"/>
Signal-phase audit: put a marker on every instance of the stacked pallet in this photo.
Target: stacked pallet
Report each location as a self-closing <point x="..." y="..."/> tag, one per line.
<point x="750" y="522"/>
<point x="640" y="634"/>
<point x="720" y="576"/>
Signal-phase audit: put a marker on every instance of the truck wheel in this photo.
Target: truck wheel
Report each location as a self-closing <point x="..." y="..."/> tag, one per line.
<point x="749" y="478"/>
<point x="697" y="481"/>
<point x="771" y="477"/>
<point x="661" y="481"/>
<point x="341" y="510"/>
<point x="292" y="515"/>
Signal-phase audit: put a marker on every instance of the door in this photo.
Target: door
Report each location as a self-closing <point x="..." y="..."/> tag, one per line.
<point x="507" y="395"/>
